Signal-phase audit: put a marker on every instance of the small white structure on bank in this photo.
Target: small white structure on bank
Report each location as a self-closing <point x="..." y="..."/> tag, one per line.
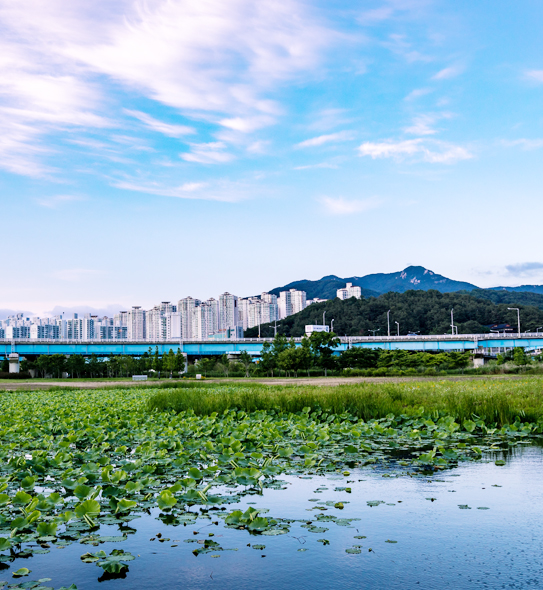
<point x="309" y="329"/>
<point x="13" y="359"/>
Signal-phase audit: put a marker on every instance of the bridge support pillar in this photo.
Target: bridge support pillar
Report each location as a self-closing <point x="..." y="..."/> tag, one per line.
<point x="13" y="359"/>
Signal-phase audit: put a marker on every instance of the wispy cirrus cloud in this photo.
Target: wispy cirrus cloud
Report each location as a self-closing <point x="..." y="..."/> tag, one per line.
<point x="56" y="201"/>
<point x="342" y="206"/>
<point x="449" y="72"/>
<point x="160" y="126"/>
<point x="432" y="151"/>
<point x="534" y="75"/>
<point x="329" y="138"/>
<point x="188" y="190"/>
<point x="211" y="61"/>
<point x="527" y="144"/>
<point x="208" y="153"/>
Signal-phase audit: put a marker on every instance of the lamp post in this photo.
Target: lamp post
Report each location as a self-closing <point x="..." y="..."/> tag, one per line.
<point x="398" y="327"/>
<point x="324" y="318"/>
<point x="452" y="321"/>
<point x="537" y="330"/>
<point x="374" y="331"/>
<point x="388" y="321"/>
<point x="332" y="326"/>
<point x="518" y="317"/>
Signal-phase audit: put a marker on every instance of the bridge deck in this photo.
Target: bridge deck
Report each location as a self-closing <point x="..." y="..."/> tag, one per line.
<point x="253" y="346"/>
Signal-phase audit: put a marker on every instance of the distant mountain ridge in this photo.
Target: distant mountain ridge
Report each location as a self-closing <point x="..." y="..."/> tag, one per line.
<point x="411" y="278"/>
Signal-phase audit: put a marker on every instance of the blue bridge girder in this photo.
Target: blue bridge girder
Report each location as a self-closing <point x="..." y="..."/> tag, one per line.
<point x="443" y="343"/>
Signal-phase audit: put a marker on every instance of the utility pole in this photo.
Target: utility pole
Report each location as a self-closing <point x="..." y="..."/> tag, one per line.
<point x="388" y="321"/>
<point x="518" y="317"/>
<point x="398" y="327"/>
<point x="452" y="321"/>
<point x="324" y="318"/>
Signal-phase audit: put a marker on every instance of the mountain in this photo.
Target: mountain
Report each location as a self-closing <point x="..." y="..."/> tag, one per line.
<point x="411" y="278"/>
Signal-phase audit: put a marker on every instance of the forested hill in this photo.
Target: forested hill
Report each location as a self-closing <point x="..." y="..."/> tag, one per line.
<point x="427" y="312"/>
<point x="510" y="297"/>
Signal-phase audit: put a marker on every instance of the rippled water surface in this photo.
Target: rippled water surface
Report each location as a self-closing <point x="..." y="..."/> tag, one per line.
<point x="438" y="544"/>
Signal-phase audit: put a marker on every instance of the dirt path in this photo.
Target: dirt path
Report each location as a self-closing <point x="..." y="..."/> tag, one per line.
<point x="319" y="381"/>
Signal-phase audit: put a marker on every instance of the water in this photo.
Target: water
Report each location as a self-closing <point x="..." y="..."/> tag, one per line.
<point x="438" y="544"/>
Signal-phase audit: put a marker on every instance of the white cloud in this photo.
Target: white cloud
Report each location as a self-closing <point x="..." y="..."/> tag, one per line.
<point x="320" y="165"/>
<point x="342" y="206"/>
<point x="188" y="190"/>
<point x="330" y="138"/>
<point x="435" y="152"/>
<point x="423" y="124"/>
<point x="417" y="93"/>
<point x="57" y="200"/>
<point x="212" y="60"/>
<point x="527" y="144"/>
<point x="160" y="126"/>
<point x="535" y="75"/>
<point x="208" y="153"/>
<point x="447" y="73"/>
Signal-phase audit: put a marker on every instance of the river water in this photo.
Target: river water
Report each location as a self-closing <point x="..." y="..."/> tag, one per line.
<point x="494" y="541"/>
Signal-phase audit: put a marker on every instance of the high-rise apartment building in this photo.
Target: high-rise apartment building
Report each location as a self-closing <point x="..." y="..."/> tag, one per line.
<point x="185" y="307"/>
<point x="291" y="302"/>
<point x="228" y="311"/>
<point x="349" y="291"/>
<point x="136" y="324"/>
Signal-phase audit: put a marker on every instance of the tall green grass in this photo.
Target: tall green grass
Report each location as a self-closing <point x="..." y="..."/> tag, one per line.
<point x="494" y="402"/>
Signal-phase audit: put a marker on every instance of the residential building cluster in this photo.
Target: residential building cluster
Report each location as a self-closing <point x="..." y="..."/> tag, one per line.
<point x="191" y="319"/>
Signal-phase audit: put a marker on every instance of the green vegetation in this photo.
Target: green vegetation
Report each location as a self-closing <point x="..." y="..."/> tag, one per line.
<point x="427" y="312"/>
<point x="495" y="403"/>
<point x="73" y="462"/>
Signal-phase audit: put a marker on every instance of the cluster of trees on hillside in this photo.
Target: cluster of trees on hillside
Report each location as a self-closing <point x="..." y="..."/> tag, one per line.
<point x="79" y="366"/>
<point x="427" y="312"/>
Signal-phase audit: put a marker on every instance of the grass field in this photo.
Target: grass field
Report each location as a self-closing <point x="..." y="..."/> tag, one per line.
<point x="494" y="402"/>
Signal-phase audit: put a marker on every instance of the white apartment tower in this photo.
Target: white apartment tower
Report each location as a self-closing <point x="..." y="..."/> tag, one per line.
<point x="185" y="307"/>
<point x="228" y="311"/>
<point x="349" y="291"/>
<point x="136" y="324"/>
<point x="291" y="302"/>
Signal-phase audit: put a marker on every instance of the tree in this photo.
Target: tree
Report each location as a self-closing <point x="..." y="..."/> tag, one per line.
<point x="247" y="361"/>
<point x="157" y="363"/>
<point x="359" y="358"/>
<point x="205" y="365"/>
<point x="169" y="362"/>
<point x="180" y="361"/>
<point x="75" y="365"/>
<point x="321" y="345"/>
<point x="5" y="366"/>
<point x="224" y="365"/>
<point x="287" y="361"/>
<point x="520" y="357"/>
<point x="268" y="360"/>
<point x="305" y="356"/>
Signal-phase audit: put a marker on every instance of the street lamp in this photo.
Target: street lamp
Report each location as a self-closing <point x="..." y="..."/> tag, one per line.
<point x="452" y="321"/>
<point x="388" y="321"/>
<point x="518" y="317"/>
<point x="323" y="318"/>
<point x="540" y="328"/>
<point x="374" y="331"/>
<point x="332" y="326"/>
<point x="398" y="327"/>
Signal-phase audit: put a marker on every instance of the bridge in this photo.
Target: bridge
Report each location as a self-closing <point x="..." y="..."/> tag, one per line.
<point x="481" y="343"/>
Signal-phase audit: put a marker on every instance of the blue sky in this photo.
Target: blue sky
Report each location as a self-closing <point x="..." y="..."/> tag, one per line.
<point x="154" y="150"/>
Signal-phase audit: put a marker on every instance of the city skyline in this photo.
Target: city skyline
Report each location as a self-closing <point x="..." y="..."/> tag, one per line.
<point x="152" y="150"/>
